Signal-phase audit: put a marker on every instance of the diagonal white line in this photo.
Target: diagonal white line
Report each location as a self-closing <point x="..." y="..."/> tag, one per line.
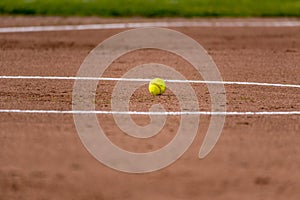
<point x="150" y="24"/>
<point x="147" y="80"/>
<point x="146" y="113"/>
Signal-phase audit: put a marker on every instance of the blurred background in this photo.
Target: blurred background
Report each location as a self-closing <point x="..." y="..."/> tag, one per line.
<point x="153" y="8"/>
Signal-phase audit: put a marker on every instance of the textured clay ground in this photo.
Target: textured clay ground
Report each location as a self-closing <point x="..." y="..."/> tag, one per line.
<point x="256" y="157"/>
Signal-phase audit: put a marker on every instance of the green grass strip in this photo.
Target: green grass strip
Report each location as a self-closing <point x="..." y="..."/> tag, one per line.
<point x="153" y="8"/>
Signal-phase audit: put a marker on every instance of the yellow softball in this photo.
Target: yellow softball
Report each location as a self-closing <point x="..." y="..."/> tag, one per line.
<point x="157" y="86"/>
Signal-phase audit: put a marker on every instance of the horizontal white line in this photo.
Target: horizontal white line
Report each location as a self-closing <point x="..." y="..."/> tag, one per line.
<point x="147" y="80"/>
<point x="150" y="24"/>
<point x="145" y="113"/>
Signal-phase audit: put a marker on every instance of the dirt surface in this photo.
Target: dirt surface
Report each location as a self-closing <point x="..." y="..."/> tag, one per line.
<point x="257" y="157"/>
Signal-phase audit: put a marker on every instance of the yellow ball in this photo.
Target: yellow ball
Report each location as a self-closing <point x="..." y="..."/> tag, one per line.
<point x="157" y="86"/>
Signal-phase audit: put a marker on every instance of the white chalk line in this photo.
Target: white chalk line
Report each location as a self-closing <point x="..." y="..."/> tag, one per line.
<point x="146" y="113"/>
<point x="149" y="24"/>
<point x="147" y="80"/>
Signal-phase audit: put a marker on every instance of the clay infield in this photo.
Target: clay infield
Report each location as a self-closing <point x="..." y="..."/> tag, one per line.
<point x="256" y="157"/>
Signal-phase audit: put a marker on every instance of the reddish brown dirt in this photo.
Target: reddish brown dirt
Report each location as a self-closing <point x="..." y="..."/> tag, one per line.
<point x="257" y="157"/>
